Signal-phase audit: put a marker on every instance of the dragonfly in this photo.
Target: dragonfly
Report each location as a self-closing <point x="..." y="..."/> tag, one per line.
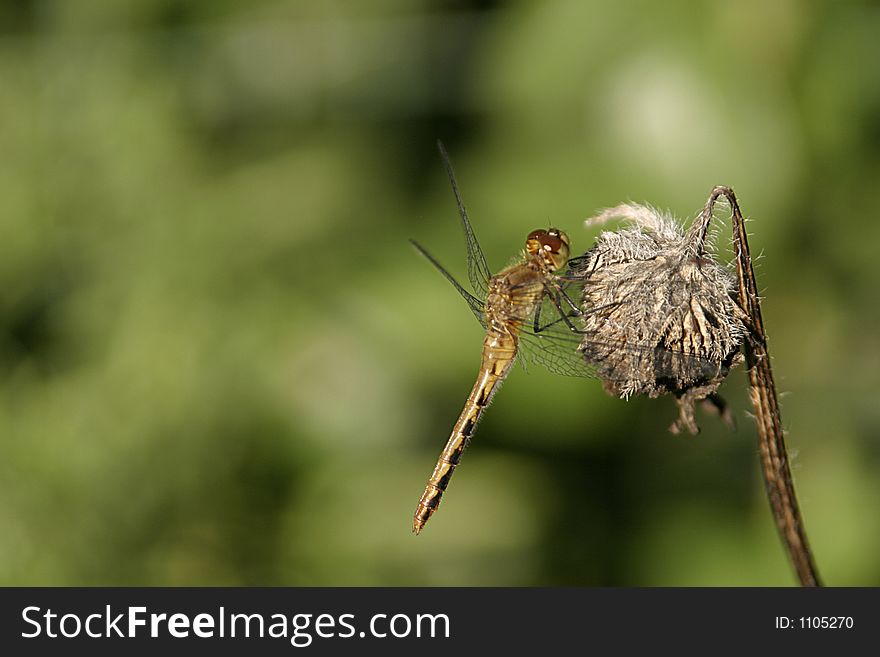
<point x="526" y="311"/>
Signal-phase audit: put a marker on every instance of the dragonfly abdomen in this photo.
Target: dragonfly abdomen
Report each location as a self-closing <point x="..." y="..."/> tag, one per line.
<point x="499" y="351"/>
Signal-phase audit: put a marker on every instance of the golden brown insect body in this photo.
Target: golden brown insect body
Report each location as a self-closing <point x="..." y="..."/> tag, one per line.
<point x="514" y="296"/>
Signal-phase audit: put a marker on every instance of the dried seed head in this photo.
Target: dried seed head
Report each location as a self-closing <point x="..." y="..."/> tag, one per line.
<point x="660" y="313"/>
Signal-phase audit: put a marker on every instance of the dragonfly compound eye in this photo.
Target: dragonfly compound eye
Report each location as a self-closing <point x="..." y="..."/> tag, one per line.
<point x="537" y="235"/>
<point x="558" y="233"/>
<point x="551" y="244"/>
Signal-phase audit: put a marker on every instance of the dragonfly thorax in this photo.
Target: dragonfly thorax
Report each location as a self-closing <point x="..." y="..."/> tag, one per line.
<point x="550" y="246"/>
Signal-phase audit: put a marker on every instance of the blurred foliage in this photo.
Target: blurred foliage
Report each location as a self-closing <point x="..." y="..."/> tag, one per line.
<point x="222" y="363"/>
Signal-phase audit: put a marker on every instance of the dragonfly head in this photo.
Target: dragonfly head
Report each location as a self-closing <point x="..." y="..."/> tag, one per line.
<point x="551" y="246"/>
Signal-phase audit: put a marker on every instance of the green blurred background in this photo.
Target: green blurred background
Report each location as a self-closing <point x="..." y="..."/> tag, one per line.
<point x="221" y="362"/>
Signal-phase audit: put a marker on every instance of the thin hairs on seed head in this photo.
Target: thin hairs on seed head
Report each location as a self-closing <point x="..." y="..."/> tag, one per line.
<point x="660" y="315"/>
<point x="643" y="216"/>
<point x="710" y="240"/>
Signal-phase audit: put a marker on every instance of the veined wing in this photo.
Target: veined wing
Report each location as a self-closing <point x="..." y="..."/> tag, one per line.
<point x="554" y="345"/>
<point x="478" y="270"/>
<point x="555" y="349"/>
<point x="475" y="304"/>
<point x="575" y="267"/>
<point x="560" y="349"/>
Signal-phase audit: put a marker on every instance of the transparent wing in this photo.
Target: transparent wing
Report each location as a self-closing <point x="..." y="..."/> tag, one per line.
<point x="642" y="366"/>
<point x="478" y="270"/>
<point x="549" y="340"/>
<point x="561" y="346"/>
<point x="574" y="270"/>
<point x="556" y="349"/>
<point x="475" y="304"/>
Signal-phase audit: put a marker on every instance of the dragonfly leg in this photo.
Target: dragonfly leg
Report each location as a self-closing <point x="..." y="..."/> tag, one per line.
<point x="571" y="304"/>
<point x="563" y="317"/>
